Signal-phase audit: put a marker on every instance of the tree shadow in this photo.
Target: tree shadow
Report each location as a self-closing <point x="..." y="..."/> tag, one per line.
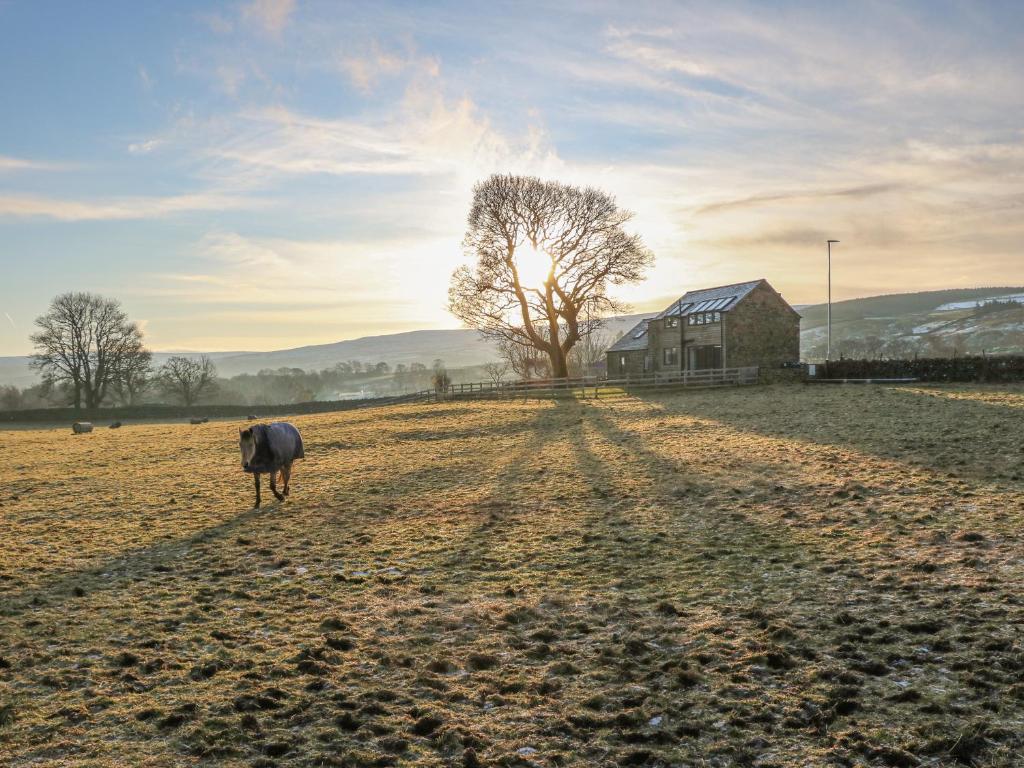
<point x="957" y="438"/>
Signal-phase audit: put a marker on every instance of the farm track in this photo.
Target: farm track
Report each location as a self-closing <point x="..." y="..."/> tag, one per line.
<point x="767" y="576"/>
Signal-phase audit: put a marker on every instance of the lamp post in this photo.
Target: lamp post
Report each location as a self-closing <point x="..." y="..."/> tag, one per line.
<point x="828" y="347"/>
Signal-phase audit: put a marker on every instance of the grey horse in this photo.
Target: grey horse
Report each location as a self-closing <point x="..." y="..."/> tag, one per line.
<point x="269" y="448"/>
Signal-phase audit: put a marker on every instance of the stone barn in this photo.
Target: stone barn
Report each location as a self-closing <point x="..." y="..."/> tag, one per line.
<point x="732" y="326"/>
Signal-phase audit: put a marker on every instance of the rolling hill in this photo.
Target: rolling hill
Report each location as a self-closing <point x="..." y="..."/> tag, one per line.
<point x="969" y="320"/>
<point x="458" y="348"/>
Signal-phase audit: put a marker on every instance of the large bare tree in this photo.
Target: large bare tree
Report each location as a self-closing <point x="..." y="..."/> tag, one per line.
<point x="134" y="376"/>
<point x="83" y="342"/>
<point x="187" y="378"/>
<point x="545" y="255"/>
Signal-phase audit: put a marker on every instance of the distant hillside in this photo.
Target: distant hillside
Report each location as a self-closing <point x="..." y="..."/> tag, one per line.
<point x="971" y="320"/>
<point x="458" y="348"/>
<point x="894" y="305"/>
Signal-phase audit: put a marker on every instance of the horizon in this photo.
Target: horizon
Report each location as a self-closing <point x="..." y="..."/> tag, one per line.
<point x="256" y="176"/>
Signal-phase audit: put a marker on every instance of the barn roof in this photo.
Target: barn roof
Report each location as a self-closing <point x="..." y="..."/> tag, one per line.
<point x="635" y="338"/>
<point x="719" y="299"/>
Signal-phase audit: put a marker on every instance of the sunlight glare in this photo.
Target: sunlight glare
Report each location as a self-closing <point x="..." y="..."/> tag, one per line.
<point x="532" y="265"/>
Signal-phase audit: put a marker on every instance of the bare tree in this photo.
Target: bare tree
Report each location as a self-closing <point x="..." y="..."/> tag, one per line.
<point x="187" y="378"/>
<point x="134" y="376"/>
<point x="588" y="353"/>
<point x="524" y="360"/>
<point x="82" y="342"/>
<point x="496" y="371"/>
<point x="440" y="380"/>
<point x="546" y="254"/>
<point x="10" y="398"/>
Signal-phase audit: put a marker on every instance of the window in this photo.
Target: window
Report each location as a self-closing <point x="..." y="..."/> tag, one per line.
<point x="691" y="320"/>
<point x="622" y="361"/>
<point x="671" y="355"/>
<point x="647" y="363"/>
<point x="701" y="358"/>
<point x="718" y="317"/>
<point x="671" y="322"/>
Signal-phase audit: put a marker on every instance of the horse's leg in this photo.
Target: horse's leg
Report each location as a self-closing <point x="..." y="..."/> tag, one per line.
<point x="256" y="478"/>
<point x="273" y="485"/>
<point x="286" y="475"/>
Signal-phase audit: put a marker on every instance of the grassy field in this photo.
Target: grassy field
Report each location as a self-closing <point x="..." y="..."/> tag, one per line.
<point x="768" y="576"/>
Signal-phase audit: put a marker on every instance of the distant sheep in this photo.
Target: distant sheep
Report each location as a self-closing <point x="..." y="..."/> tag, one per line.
<point x="81" y="427"/>
<point x="197" y="420"/>
<point x="116" y="425"/>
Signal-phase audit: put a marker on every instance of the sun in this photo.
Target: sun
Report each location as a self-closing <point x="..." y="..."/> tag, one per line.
<point x="533" y="266"/>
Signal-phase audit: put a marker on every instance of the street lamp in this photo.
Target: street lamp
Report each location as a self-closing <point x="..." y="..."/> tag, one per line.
<point x="828" y="348"/>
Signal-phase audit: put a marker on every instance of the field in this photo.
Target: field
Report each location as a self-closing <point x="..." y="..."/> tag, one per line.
<point x="768" y="576"/>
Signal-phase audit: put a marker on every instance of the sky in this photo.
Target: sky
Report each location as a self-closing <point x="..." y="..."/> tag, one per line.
<point x="269" y="174"/>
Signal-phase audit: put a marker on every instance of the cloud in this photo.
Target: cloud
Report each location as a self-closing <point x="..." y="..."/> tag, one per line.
<point x="865" y="190"/>
<point x="373" y="63"/>
<point x="144" y="147"/>
<point x="8" y="163"/>
<point x="427" y="135"/>
<point x="30" y="206"/>
<point x="271" y="15"/>
<point x="382" y="280"/>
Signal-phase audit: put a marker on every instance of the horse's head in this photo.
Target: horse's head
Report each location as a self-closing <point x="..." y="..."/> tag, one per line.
<point x="247" y="444"/>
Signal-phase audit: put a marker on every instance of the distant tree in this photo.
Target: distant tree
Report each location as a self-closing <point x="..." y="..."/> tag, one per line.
<point x="134" y="376"/>
<point x="84" y="341"/>
<point x="902" y="348"/>
<point x="851" y="348"/>
<point x="381" y="368"/>
<point x="873" y="346"/>
<point x="545" y="255"/>
<point x="188" y="379"/>
<point x="588" y="353"/>
<point x="356" y="366"/>
<point x="440" y="380"/>
<point x="496" y="371"/>
<point x="417" y="367"/>
<point x="524" y="360"/>
<point x="10" y="398"/>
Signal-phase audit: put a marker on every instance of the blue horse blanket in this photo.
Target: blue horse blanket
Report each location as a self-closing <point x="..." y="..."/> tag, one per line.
<point x="278" y="444"/>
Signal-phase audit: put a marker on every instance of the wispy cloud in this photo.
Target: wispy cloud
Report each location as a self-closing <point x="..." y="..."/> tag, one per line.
<point x="864" y="190"/>
<point x="28" y="206"/>
<point x="371" y="62"/>
<point x="428" y="134"/>
<point x="8" y="163"/>
<point x="270" y="15"/>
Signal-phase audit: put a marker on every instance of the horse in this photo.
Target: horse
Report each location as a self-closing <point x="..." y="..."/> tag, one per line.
<point x="269" y="448"/>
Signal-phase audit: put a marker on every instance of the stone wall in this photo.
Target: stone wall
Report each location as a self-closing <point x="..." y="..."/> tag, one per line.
<point x="762" y="330"/>
<point x="634" y="363"/>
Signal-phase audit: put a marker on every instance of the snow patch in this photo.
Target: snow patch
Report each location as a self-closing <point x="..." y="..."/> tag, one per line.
<point x="975" y="303"/>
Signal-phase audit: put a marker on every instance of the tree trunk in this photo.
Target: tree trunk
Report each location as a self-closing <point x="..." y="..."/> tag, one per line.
<point x="559" y="364"/>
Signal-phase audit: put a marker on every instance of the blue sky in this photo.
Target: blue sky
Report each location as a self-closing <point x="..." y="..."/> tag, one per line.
<point x="256" y="175"/>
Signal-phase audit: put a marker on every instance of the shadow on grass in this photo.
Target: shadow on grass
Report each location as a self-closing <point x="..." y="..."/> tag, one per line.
<point x="950" y="436"/>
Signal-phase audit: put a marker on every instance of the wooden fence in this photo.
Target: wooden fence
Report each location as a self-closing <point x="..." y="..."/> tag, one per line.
<point x="586" y="387"/>
<point x="592" y="386"/>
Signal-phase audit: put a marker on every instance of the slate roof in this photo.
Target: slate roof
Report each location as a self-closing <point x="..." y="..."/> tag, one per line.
<point x="632" y="340"/>
<point x="719" y="299"/>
